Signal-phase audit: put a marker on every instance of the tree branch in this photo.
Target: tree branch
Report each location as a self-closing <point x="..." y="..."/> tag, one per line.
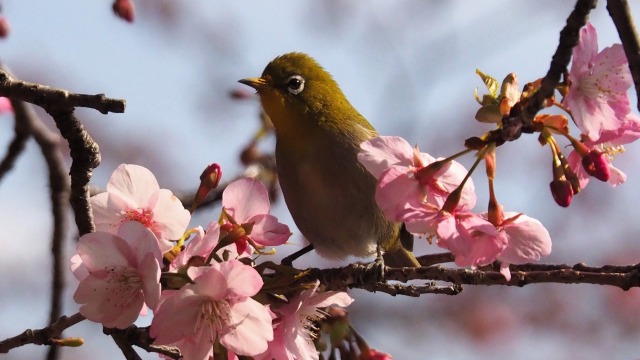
<point x="86" y="157"/>
<point x="59" y="193"/>
<point x="621" y="16"/>
<point x="623" y="277"/>
<point x="49" y="98"/>
<point x="22" y="133"/>
<point x="520" y="119"/>
<point x="42" y="336"/>
<point x="137" y="336"/>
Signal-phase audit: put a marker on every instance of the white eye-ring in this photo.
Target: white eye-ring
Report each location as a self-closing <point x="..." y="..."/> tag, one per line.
<point x="295" y="84"/>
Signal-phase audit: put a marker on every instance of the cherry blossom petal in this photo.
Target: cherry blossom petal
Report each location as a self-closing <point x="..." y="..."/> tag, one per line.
<point x="170" y="217"/>
<point x="100" y="250"/>
<point x="209" y="281"/>
<point x="140" y="240"/>
<point x="396" y="192"/>
<point x="77" y="267"/>
<point x="176" y="315"/>
<point x="242" y="280"/>
<point x="251" y="338"/>
<point x="150" y="275"/>
<point x="329" y="298"/>
<point x="382" y="152"/>
<point x="529" y="240"/>
<point x="245" y="198"/>
<point x="133" y="181"/>
<point x="268" y="231"/>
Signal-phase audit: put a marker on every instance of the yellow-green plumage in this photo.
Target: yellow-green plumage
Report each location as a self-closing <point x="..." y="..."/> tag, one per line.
<point x="318" y="135"/>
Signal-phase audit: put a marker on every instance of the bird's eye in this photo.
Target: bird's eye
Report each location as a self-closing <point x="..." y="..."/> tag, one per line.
<point x="295" y="84"/>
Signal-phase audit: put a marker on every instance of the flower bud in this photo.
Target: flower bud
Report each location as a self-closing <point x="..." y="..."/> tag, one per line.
<point x="4" y="27"/>
<point x="124" y="9"/>
<point x="595" y="163"/>
<point x="562" y="192"/>
<point x="209" y="180"/>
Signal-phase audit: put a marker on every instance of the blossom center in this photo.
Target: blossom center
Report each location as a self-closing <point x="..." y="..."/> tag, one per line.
<point x="123" y="283"/>
<point x="309" y="319"/>
<point x="143" y="216"/>
<point x="610" y="151"/>
<point x="216" y="314"/>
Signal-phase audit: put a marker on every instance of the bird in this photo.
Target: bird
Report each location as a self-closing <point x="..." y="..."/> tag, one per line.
<point x="330" y="195"/>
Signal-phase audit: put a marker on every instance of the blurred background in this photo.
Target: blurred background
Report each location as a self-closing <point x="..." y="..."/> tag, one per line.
<point x="408" y="66"/>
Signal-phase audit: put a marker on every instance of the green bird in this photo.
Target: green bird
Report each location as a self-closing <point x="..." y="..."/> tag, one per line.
<point x="330" y="195"/>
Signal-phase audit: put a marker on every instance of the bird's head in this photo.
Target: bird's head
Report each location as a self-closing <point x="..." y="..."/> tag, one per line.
<point x="298" y="94"/>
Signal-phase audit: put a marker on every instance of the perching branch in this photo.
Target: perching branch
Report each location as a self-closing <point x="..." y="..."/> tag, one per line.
<point x="44" y="336"/>
<point x="621" y="16"/>
<point x="50" y="98"/>
<point x="623" y="277"/>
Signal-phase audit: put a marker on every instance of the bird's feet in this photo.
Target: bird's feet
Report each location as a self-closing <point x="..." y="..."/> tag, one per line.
<point x="373" y="273"/>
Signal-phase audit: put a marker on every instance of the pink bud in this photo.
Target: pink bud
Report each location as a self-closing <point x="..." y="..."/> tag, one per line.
<point x="4" y="27"/>
<point x="124" y="9"/>
<point x="211" y="176"/>
<point x="562" y="192"/>
<point x="595" y="163"/>
<point x="209" y="180"/>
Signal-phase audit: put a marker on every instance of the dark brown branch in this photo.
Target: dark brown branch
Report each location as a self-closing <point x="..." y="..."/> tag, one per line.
<point x="624" y="277"/>
<point x="433" y="259"/>
<point x="59" y="192"/>
<point x="42" y="336"/>
<point x="417" y="290"/>
<point x="22" y="133"/>
<point x="137" y="336"/>
<point x="521" y="117"/>
<point x="49" y="98"/>
<point x="621" y="15"/>
<point x="86" y="157"/>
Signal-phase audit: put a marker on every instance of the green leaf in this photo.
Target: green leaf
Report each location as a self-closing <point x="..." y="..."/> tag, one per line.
<point x="492" y="84"/>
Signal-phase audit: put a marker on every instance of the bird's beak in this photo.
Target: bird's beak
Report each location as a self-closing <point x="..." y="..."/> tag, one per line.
<point x="256" y="83"/>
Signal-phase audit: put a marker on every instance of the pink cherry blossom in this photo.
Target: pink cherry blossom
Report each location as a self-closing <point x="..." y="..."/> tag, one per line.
<point x="528" y="241"/>
<point x="406" y="181"/>
<point x="216" y="307"/>
<point x="200" y="246"/>
<point x="610" y="144"/>
<point x="118" y="274"/>
<point x="373" y="354"/>
<point x="133" y="193"/>
<point x="5" y="105"/>
<point x="472" y="240"/>
<point x="247" y="202"/>
<point x="292" y="339"/>
<point x="597" y="96"/>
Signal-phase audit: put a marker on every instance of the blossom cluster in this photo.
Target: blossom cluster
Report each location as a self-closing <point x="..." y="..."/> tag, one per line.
<point x="435" y="197"/>
<point x="204" y="295"/>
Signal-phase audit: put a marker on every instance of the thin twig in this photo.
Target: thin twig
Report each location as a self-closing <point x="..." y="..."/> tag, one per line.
<point x="621" y="16"/>
<point x="521" y="117"/>
<point x="49" y="98"/>
<point x="41" y="336"/>
<point x="17" y="145"/>
<point x="433" y="259"/>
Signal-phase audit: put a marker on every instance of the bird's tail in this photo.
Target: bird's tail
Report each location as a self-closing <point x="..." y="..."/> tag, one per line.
<point x="401" y="254"/>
